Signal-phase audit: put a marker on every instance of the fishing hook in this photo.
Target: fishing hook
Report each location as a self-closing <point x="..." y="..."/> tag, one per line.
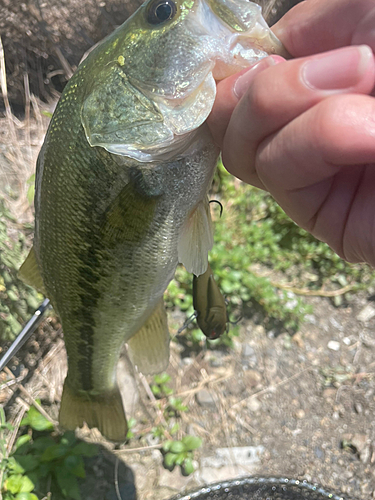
<point x="220" y="204"/>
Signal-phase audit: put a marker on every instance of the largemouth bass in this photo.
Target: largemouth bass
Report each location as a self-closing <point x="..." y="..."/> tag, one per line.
<point x="121" y="189"/>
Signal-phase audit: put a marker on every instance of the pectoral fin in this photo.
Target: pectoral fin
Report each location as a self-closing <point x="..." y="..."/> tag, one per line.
<point x="149" y="347"/>
<point x="29" y="273"/>
<point x="196" y="239"/>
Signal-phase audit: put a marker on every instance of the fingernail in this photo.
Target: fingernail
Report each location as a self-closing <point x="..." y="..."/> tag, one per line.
<point x="339" y="69"/>
<point x="242" y="83"/>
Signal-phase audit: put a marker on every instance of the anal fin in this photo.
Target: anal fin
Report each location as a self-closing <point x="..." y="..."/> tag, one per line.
<point x="149" y="347"/>
<point x="104" y="411"/>
<point x="196" y="239"/>
<point x="29" y="273"/>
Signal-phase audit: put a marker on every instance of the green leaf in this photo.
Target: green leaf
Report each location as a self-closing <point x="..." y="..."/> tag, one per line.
<point x="26" y="485"/>
<point x="75" y="465"/>
<point x="54" y="452"/>
<point x="163" y="378"/>
<point x="68" y="438"/>
<point x="180" y="458"/>
<point x="36" y="421"/>
<point x="14" y="483"/>
<point x="42" y="443"/>
<point x="131" y="422"/>
<point x="175" y="428"/>
<point x="22" y="440"/>
<point x="188" y="466"/>
<point x="14" y="466"/>
<point x="26" y="496"/>
<point x="169" y="460"/>
<point x="155" y="390"/>
<point x="68" y="483"/>
<point x="177" y="447"/>
<point x="192" y="442"/>
<point x="28" y="462"/>
<point x="167" y="445"/>
<point x="85" y="449"/>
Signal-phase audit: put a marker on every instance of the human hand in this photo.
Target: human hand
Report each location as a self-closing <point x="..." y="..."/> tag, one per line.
<point x="305" y="129"/>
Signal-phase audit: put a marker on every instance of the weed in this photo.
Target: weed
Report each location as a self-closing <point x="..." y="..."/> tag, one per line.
<point x="43" y="462"/>
<point x="159" y="387"/>
<point x="181" y="453"/>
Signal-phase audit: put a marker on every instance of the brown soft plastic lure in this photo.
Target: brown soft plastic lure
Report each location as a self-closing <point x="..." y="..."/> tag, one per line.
<point x="209" y="305"/>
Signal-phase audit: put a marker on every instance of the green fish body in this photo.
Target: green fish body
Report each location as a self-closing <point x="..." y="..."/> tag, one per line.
<point x="121" y="189"/>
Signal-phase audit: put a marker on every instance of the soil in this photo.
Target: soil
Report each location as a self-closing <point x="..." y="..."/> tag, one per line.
<point x="302" y="405"/>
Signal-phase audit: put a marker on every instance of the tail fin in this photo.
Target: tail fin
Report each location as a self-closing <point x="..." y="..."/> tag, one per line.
<point x="104" y="411"/>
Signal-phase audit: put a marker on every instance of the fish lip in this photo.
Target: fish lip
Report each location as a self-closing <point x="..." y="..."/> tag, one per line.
<point x="259" y="39"/>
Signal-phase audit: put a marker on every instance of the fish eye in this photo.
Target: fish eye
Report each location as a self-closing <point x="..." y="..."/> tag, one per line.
<point x="161" y="11"/>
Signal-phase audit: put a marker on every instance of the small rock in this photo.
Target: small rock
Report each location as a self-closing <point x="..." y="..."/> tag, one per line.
<point x="310" y="318"/>
<point x="247" y="351"/>
<point x="297" y="339"/>
<point x="204" y="398"/>
<point x="333" y="345"/>
<point x="252" y="378"/>
<point x="174" y="480"/>
<point x="259" y="330"/>
<point x="358" y="408"/>
<point x="300" y="414"/>
<point x="359" y="441"/>
<point x="364" y="456"/>
<point x="238" y="455"/>
<point x="329" y="393"/>
<point x="319" y="453"/>
<point x="236" y="387"/>
<point x="366" y="314"/>
<point x="187" y="361"/>
<point x="216" y="360"/>
<point x="253" y="405"/>
<point x="336" y="324"/>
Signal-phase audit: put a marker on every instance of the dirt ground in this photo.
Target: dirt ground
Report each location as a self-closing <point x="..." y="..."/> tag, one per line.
<point x="299" y="407"/>
<point x="275" y="405"/>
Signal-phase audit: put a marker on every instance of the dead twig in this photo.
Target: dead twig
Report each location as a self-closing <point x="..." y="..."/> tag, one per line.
<point x="30" y="397"/>
<point x="134" y="450"/>
<point x="270" y="388"/>
<point x="314" y="293"/>
<point x="154" y="401"/>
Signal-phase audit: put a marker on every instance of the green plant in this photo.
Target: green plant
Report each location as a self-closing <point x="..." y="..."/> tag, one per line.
<point x="131" y="423"/>
<point x="159" y="387"/>
<point x="181" y="453"/>
<point x="44" y="462"/>
<point x="174" y="408"/>
<point x="17" y="300"/>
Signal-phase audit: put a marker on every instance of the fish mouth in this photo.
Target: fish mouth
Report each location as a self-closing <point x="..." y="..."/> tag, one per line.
<point x="243" y="36"/>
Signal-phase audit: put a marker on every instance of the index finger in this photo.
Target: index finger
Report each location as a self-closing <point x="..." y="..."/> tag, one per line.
<point x="317" y="26"/>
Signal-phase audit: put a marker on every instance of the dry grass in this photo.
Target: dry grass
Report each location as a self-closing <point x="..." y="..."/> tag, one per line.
<point x="20" y="141"/>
